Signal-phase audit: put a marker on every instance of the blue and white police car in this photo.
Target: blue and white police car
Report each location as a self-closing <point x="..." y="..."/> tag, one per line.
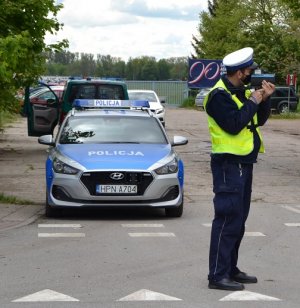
<point x="113" y="153"/>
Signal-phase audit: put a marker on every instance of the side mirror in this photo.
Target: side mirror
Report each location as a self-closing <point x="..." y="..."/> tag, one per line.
<point x="47" y="140"/>
<point x="162" y="99"/>
<point x="179" y="140"/>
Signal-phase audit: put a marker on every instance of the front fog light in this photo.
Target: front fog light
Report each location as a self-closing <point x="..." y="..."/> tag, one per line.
<point x="170" y="167"/>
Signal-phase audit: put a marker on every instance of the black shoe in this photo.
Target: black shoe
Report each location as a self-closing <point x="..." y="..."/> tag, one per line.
<point x="226" y="284"/>
<point x="244" y="278"/>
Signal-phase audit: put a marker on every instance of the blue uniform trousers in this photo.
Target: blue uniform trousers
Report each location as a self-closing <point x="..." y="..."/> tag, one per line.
<point x="232" y="186"/>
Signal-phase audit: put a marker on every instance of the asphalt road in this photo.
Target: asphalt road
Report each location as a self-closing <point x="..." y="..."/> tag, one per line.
<point x="139" y="258"/>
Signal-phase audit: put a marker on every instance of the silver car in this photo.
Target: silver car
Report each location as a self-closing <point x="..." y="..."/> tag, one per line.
<point x="200" y="97"/>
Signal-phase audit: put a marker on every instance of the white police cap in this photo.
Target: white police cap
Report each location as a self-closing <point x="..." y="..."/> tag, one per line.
<point x="238" y="59"/>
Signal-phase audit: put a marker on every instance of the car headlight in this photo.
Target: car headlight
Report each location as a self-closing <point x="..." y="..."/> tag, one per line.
<point x="61" y="167"/>
<point x="170" y="167"/>
<point x="158" y="111"/>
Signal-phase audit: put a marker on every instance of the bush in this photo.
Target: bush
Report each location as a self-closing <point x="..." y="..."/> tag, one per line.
<point x="189" y="102"/>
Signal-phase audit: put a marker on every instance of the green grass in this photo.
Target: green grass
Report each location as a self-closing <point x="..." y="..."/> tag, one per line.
<point x="14" y="200"/>
<point x="287" y="115"/>
<point x="6" y="118"/>
<point x="189" y="103"/>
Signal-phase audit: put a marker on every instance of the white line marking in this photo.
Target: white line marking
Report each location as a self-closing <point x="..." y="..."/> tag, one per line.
<point x="290" y="208"/>
<point x="61" y="234"/>
<point x="47" y="296"/>
<point x="75" y="226"/>
<point x="143" y="225"/>
<point x="292" y="224"/>
<point x="254" y="234"/>
<point x="154" y="234"/>
<point x="208" y="225"/>
<point x="147" y="295"/>
<point x="248" y="296"/>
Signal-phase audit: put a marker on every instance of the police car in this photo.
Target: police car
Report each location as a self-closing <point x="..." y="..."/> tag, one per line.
<point x="113" y="153"/>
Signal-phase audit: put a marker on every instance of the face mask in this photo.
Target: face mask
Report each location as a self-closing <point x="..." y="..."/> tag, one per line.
<point x="247" y="79"/>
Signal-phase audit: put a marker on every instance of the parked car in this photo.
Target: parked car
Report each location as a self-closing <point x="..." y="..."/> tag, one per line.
<point x="200" y="97"/>
<point x="284" y="99"/>
<point x="113" y="156"/>
<point x="47" y="118"/>
<point x="155" y="104"/>
<point x="42" y="95"/>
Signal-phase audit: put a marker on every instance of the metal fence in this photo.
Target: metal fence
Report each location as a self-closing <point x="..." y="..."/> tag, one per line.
<point x="172" y="92"/>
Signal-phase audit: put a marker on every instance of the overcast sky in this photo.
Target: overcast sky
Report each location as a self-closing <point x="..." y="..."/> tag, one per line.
<point x="130" y="28"/>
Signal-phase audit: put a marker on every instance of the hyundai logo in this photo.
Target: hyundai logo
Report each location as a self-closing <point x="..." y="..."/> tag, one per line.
<point x="116" y="176"/>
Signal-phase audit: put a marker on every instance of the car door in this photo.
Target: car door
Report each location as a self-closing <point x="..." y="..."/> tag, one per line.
<point x="42" y="109"/>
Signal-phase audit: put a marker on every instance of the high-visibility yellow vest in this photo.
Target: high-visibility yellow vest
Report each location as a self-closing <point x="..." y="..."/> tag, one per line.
<point x="223" y="142"/>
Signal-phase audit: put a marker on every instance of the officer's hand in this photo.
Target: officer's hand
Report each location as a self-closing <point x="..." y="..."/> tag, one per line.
<point x="268" y="88"/>
<point x="257" y="96"/>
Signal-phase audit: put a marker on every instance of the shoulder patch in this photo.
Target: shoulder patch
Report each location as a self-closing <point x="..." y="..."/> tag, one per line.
<point x="215" y="91"/>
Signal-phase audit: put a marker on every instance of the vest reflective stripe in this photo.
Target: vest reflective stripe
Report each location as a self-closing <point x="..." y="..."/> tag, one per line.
<point x="223" y="142"/>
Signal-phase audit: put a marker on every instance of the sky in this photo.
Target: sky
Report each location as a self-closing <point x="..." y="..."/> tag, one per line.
<point x="130" y="28"/>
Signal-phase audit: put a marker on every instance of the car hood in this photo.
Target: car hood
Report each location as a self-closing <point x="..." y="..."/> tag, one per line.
<point x="115" y="156"/>
<point x="155" y="105"/>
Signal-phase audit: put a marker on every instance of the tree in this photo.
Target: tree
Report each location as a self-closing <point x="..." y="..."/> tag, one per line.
<point x="271" y="27"/>
<point x="163" y="69"/>
<point x="179" y="68"/>
<point x="219" y="31"/>
<point x="148" y="68"/>
<point x="23" y="26"/>
<point x="113" y="67"/>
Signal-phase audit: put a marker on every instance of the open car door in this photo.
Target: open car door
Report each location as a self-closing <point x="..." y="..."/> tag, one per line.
<point x="42" y="112"/>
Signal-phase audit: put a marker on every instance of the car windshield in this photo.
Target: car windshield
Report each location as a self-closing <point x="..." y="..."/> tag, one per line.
<point x="112" y="129"/>
<point x="147" y="96"/>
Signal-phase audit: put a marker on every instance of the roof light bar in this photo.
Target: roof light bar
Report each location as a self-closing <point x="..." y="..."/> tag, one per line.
<point x="109" y="103"/>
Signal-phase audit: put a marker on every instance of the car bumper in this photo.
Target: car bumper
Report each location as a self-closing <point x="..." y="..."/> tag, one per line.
<point x="70" y="191"/>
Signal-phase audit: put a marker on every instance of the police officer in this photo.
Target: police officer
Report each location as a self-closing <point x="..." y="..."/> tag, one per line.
<point x="234" y="116"/>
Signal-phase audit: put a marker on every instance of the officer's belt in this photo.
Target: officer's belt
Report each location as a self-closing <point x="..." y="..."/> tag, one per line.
<point x="252" y="127"/>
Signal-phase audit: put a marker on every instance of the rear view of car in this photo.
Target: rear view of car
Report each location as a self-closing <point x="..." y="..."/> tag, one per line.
<point x="155" y="105"/>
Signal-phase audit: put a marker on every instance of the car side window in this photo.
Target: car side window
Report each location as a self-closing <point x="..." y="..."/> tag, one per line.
<point x="47" y="95"/>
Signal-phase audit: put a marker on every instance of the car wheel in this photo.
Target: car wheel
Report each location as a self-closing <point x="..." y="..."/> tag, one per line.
<point x="283" y="108"/>
<point x="174" y="211"/>
<point x="50" y="211"/>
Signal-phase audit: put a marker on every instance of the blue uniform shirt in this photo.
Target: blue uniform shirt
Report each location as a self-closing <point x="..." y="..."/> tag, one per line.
<point x="225" y="112"/>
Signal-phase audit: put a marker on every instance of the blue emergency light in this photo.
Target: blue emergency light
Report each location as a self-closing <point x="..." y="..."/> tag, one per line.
<point x="109" y="103"/>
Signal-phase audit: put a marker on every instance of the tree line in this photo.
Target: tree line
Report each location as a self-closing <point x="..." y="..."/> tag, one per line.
<point x="66" y="63"/>
<point x="271" y="27"/>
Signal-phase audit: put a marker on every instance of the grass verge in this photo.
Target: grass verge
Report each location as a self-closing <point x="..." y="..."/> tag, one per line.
<point x="6" y="118"/>
<point x="14" y="200"/>
<point x="286" y="115"/>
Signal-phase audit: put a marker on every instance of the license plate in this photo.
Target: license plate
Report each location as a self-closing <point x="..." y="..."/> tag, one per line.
<point x="116" y="189"/>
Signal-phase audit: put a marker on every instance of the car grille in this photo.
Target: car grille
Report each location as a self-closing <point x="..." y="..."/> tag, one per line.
<point x="141" y="179"/>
